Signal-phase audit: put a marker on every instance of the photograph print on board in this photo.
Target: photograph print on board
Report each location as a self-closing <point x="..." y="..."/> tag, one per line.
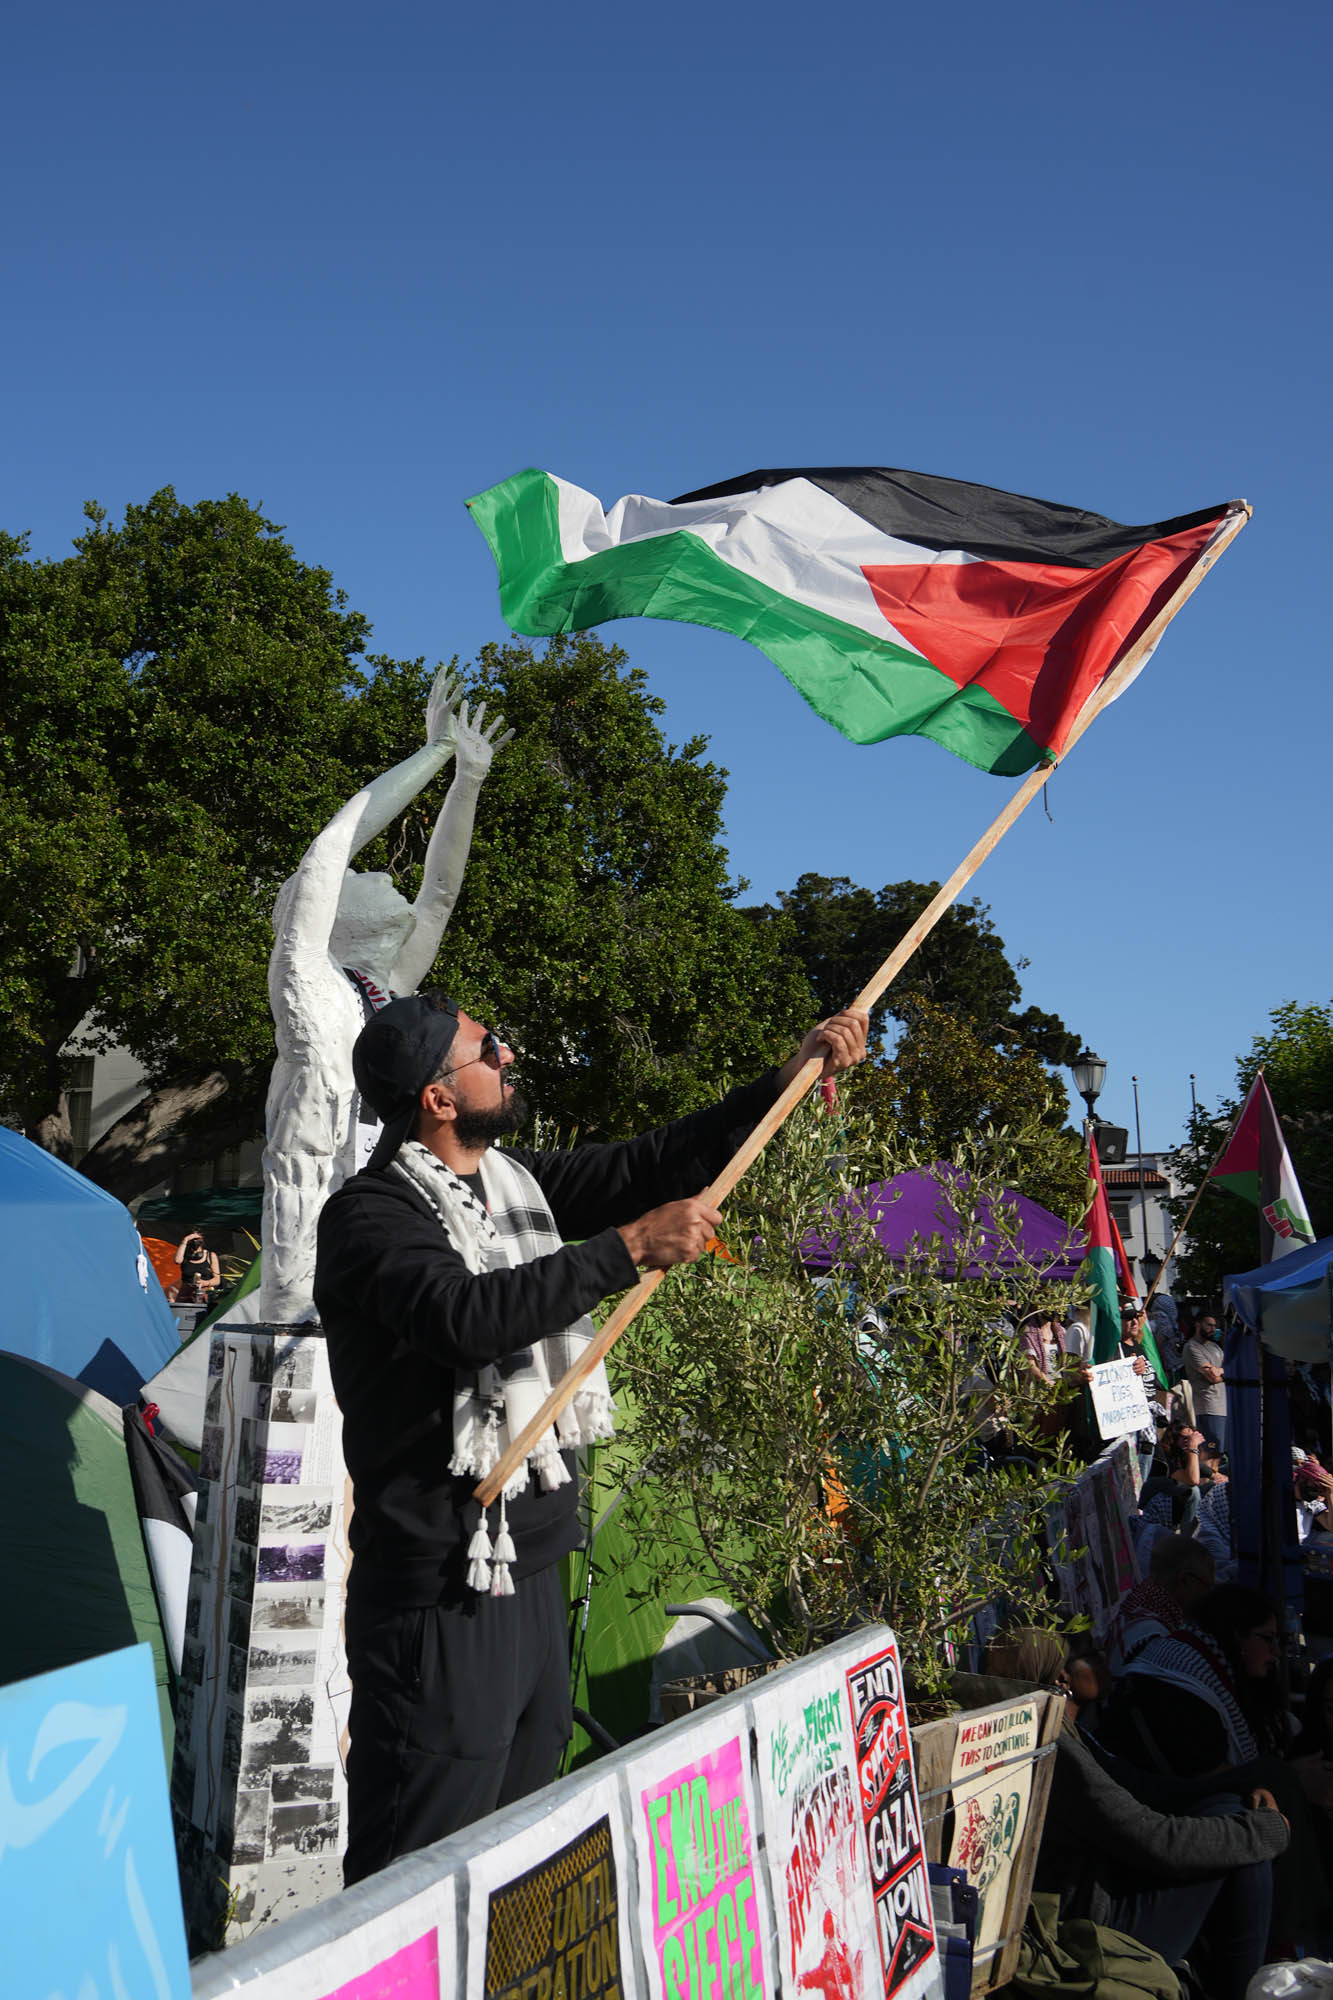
<point x="304" y="1829"/>
<point x="277" y="1731"/>
<point x="272" y="1666"/>
<point x="300" y="1782"/>
<point x="250" y="1835"/>
<point x="293" y="1406"/>
<point x="280" y="1608"/>
<point x="294" y="1362"/>
<point x="298" y="1515"/>
<point x="291" y="1562"/>
<point x="210" y="1452"/>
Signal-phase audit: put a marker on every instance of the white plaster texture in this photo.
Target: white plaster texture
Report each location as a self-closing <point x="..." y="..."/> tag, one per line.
<point x="326" y="917"/>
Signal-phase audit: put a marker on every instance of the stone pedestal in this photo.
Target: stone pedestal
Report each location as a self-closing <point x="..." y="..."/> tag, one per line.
<point x="258" y="1787"/>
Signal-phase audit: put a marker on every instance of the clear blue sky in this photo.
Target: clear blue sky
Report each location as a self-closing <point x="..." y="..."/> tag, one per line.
<point x="357" y="264"/>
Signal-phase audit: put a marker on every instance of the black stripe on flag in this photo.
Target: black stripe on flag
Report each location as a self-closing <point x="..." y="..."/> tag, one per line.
<point x="165" y="1492"/>
<point x="939" y="513"/>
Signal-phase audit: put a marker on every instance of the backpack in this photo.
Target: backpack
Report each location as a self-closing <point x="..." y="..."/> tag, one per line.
<point x="1080" y="1960"/>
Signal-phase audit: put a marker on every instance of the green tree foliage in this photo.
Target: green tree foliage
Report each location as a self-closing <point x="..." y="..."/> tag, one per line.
<point x="945" y="1087"/>
<point x="1296" y="1054"/>
<point x="184" y="703"/>
<point x="843" y="934"/>
<point x="174" y="724"/>
<point x="819" y="1476"/>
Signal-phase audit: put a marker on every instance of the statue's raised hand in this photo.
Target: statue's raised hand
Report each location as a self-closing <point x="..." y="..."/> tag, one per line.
<point x="476" y="740"/>
<point x="440" y="704"/>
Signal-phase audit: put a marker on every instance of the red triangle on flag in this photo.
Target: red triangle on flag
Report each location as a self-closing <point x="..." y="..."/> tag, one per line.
<point x="1039" y="637"/>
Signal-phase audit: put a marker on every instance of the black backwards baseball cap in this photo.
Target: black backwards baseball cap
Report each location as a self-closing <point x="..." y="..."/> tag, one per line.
<point x="395" y="1056"/>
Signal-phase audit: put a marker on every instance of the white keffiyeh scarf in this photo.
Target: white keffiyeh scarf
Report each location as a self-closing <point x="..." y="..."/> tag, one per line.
<point x="493" y="1404"/>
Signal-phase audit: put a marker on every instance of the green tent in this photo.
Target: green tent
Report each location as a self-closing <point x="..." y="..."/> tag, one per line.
<point x="74" y="1573"/>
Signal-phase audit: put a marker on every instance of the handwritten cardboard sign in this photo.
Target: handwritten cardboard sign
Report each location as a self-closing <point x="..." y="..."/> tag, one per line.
<point x="1119" y="1400"/>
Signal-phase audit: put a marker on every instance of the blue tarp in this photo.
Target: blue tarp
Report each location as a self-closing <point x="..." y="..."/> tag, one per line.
<point x="70" y="1279"/>
<point x="1289" y="1302"/>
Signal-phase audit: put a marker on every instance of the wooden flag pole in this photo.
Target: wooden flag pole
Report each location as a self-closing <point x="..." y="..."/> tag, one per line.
<point x="628" y="1309"/>
<point x="1227" y="1137"/>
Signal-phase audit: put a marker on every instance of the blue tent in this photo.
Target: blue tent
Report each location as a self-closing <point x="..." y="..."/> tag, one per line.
<point x="1289" y="1302"/>
<point x="73" y="1288"/>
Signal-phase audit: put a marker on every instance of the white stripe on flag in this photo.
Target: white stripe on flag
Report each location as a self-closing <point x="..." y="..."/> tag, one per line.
<point x="795" y="538"/>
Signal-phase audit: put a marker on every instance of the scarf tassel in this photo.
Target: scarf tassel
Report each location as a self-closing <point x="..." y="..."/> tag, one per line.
<point x="479" y="1559"/>
<point x="502" y="1582"/>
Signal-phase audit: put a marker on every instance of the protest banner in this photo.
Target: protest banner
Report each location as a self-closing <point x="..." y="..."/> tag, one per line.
<point x="1119" y="1400"/>
<point x="702" y="1911"/>
<point x="818" y="1867"/>
<point x="891" y="1823"/>
<point x="991" y="1775"/>
<point x="546" y="1913"/>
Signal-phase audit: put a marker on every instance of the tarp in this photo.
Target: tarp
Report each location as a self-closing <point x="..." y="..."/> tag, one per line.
<point x="179" y="1389"/>
<point x="74" y="1575"/>
<point x="1289" y="1302"/>
<point x="922" y="1204"/>
<point x="73" y="1294"/>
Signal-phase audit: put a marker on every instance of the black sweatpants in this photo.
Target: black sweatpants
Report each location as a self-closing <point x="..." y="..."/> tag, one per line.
<point x="457" y="1708"/>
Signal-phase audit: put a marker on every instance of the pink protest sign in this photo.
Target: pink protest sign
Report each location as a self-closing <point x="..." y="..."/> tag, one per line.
<point x="698" y="1879"/>
<point x="411" y="1974"/>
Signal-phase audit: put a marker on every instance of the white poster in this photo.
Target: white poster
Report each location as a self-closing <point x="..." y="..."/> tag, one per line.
<point x="1119" y="1400"/>
<point x="547" y="1908"/>
<point x="819" y="1872"/>
<point x="991" y="1788"/>
<point x="407" y="1953"/>
<point x="703" y="1918"/>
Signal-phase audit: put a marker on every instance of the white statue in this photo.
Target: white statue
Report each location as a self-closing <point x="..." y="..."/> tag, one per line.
<point x="344" y="944"/>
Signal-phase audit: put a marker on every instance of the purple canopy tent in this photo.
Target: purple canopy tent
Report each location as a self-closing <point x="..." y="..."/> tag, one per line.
<point x="921" y="1204"/>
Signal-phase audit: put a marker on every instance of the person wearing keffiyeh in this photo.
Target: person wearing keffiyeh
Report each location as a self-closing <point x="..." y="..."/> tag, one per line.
<point x="454" y="1282"/>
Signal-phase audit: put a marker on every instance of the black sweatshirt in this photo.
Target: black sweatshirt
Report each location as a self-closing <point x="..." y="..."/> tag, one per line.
<point x="401" y="1312"/>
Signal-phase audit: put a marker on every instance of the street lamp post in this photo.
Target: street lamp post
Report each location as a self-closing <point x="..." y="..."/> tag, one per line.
<point x="1089" y="1073"/>
<point x="1143" y="1191"/>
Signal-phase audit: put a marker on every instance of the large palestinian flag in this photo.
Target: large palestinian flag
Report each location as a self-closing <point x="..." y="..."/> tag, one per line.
<point x="1257" y="1166"/>
<point x="897" y="603"/>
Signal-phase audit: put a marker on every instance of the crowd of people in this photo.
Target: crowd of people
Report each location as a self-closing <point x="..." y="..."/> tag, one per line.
<point x="1192" y="1801"/>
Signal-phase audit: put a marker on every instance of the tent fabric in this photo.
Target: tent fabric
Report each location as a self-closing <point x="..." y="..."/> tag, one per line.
<point x="74" y="1574"/>
<point x="214" y="1208"/>
<point x="179" y="1389"/>
<point x="921" y="1205"/>
<point x="1289" y="1302"/>
<point x="74" y="1296"/>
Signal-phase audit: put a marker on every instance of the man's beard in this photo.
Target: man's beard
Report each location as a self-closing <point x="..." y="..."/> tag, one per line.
<point x="483" y="1128"/>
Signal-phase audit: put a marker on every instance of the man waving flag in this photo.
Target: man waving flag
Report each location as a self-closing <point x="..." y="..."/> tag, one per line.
<point x="896" y="603"/>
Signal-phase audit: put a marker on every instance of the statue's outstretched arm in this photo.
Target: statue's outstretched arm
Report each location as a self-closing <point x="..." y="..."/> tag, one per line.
<point x="475" y="743"/>
<point x="309" y="901"/>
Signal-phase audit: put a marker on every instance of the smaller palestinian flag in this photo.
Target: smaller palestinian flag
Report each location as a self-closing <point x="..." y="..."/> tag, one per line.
<point x="1099" y="1266"/>
<point x="165" y="1491"/>
<point x="1257" y="1166"/>
<point x="896" y="603"/>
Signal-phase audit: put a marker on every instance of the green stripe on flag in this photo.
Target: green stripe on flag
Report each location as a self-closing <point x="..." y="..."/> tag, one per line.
<point x="1099" y="1273"/>
<point x="867" y="688"/>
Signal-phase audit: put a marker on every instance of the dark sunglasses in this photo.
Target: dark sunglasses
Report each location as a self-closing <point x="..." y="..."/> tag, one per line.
<point x="492" y="1042"/>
